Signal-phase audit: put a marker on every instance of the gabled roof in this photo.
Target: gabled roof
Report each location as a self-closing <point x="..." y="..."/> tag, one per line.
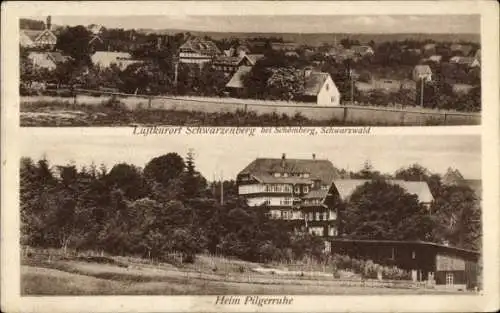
<point x="346" y="187"/>
<point x="205" y="47"/>
<point x="262" y="169"/>
<point x="362" y="49"/>
<point x="254" y="57"/>
<point x="237" y="80"/>
<point x="422" y="69"/>
<point x="31" y="33"/>
<point x="225" y="60"/>
<point x="463" y="60"/>
<point x="314" y="83"/>
<point x="56" y="57"/>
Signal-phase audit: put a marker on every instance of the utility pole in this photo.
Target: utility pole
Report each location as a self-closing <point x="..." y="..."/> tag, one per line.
<point x="221" y="188"/>
<point x="422" y="92"/>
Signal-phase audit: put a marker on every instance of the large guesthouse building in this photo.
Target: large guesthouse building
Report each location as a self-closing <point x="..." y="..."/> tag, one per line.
<point x="296" y="190"/>
<point x="307" y="192"/>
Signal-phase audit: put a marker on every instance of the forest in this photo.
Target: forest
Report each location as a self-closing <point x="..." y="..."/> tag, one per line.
<point x="168" y="206"/>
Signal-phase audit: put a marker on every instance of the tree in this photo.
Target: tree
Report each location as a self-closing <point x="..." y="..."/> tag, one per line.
<point x="129" y="179"/>
<point x="194" y="184"/>
<point x="458" y="217"/>
<point x="164" y="168"/>
<point x="74" y="41"/>
<point x="285" y="83"/>
<point x="380" y="210"/>
<point x="415" y="172"/>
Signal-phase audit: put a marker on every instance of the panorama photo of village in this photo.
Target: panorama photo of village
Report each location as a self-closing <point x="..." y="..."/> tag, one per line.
<point x="212" y="215"/>
<point x="379" y="70"/>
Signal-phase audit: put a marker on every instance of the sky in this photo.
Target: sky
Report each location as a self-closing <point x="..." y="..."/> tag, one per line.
<point x="230" y="154"/>
<point x="287" y="23"/>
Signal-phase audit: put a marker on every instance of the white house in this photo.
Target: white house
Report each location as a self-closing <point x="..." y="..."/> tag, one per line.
<point x="47" y="60"/>
<point x="106" y="58"/>
<point x="422" y="72"/>
<point x="320" y="88"/>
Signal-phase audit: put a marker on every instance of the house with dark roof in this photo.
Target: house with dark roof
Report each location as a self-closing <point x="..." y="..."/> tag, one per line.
<point x="230" y="64"/>
<point x="296" y="190"/>
<point x="42" y="39"/>
<point x="307" y="192"/>
<point x="320" y="88"/>
<point x="198" y="51"/>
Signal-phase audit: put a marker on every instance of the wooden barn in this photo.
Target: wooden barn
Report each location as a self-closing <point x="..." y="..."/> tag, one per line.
<point x="448" y="267"/>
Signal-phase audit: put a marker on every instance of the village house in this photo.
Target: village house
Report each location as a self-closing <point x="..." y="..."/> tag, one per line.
<point x="422" y="72"/>
<point x="362" y="50"/>
<point x="198" y="51"/>
<point x="464" y="50"/>
<point x="230" y="64"/>
<point x="435" y="58"/>
<point x="105" y="59"/>
<point x="40" y="39"/>
<point x="47" y="59"/>
<point x="466" y="61"/>
<point x="320" y="88"/>
<point x="284" y="46"/>
<point x="236" y="85"/>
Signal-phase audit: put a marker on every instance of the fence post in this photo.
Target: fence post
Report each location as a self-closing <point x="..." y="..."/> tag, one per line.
<point x="344" y="117"/>
<point x="150" y="98"/>
<point x="245" y="110"/>
<point x="444" y="121"/>
<point x="74" y="100"/>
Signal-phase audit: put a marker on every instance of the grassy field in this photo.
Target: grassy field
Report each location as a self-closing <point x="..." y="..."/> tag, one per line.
<point x="128" y="276"/>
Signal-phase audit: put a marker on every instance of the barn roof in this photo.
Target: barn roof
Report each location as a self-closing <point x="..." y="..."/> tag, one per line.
<point x="262" y="169"/>
<point x="346" y="187"/>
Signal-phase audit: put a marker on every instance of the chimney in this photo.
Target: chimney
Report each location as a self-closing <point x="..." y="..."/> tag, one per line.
<point x="314" y="156"/>
<point x="48" y="24"/>
<point x="283" y="158"/>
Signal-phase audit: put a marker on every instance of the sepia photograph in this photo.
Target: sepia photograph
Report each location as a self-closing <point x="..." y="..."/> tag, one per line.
<point x="250" y="70"/>
<point x="366" y="215"/>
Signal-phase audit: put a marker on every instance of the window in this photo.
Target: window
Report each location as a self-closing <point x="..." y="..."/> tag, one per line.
<point x="393" y="255"/>
<point x="413" y="255"/>
<point x="324" y="187"/>
<point x="332" y="99"/>
<point x="306" y="189"/>
<point x="311" y="216"/>
<point x="317" y="216"/>
<point x="306" y="175"/>
<point x="277" y="174"/>
<point x="285" y="174"/>
<point x="297" y="189"/>
<point x="321" y="216"/>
